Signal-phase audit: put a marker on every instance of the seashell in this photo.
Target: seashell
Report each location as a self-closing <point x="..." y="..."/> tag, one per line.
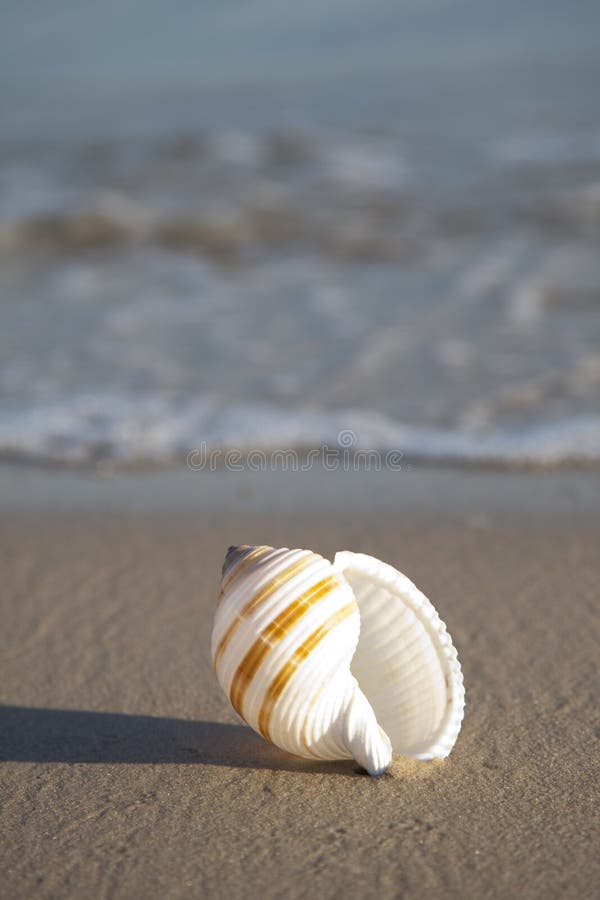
<point x="335" y="661"/>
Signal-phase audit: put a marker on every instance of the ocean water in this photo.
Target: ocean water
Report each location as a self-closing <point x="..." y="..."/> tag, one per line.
<point x="232" y="225"/>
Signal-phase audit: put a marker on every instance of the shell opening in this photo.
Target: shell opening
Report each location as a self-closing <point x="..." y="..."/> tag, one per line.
<point x="405" y="663"/>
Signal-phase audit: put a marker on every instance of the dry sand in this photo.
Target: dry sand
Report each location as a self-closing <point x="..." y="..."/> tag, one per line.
<point x="125" y="773"/>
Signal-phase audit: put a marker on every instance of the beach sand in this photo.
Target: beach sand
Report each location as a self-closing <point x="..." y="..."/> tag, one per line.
<point x="126" y="774"/>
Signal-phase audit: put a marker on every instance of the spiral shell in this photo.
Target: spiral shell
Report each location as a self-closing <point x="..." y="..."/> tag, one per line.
<point x="335" y="661"/>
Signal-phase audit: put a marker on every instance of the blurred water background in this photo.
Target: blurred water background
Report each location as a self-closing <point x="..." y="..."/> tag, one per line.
<point x="255" y="224"/>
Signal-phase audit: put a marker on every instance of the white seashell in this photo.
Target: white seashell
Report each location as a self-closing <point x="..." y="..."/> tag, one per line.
<point x="335" y="661"/>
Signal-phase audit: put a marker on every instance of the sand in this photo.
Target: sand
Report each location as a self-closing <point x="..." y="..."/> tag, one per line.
<point x="125" y="773"/>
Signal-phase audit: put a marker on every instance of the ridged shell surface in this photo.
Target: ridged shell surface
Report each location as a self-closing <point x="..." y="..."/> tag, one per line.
<point x="405" y="661"/>
<point x="335" y="661"/>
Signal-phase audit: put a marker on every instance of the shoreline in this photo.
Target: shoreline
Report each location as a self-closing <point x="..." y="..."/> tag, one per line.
<point x="413" y="489"/>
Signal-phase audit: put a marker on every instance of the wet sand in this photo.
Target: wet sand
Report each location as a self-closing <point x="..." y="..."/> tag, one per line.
<point x="125" y="774"/>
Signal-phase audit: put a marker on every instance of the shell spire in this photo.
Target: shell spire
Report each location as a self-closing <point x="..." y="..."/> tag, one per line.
<point x="335" y="661"/>
<point x="234" y="555"/>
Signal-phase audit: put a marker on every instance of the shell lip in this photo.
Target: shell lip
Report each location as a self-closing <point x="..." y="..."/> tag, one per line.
<point x="390" y="579"/>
